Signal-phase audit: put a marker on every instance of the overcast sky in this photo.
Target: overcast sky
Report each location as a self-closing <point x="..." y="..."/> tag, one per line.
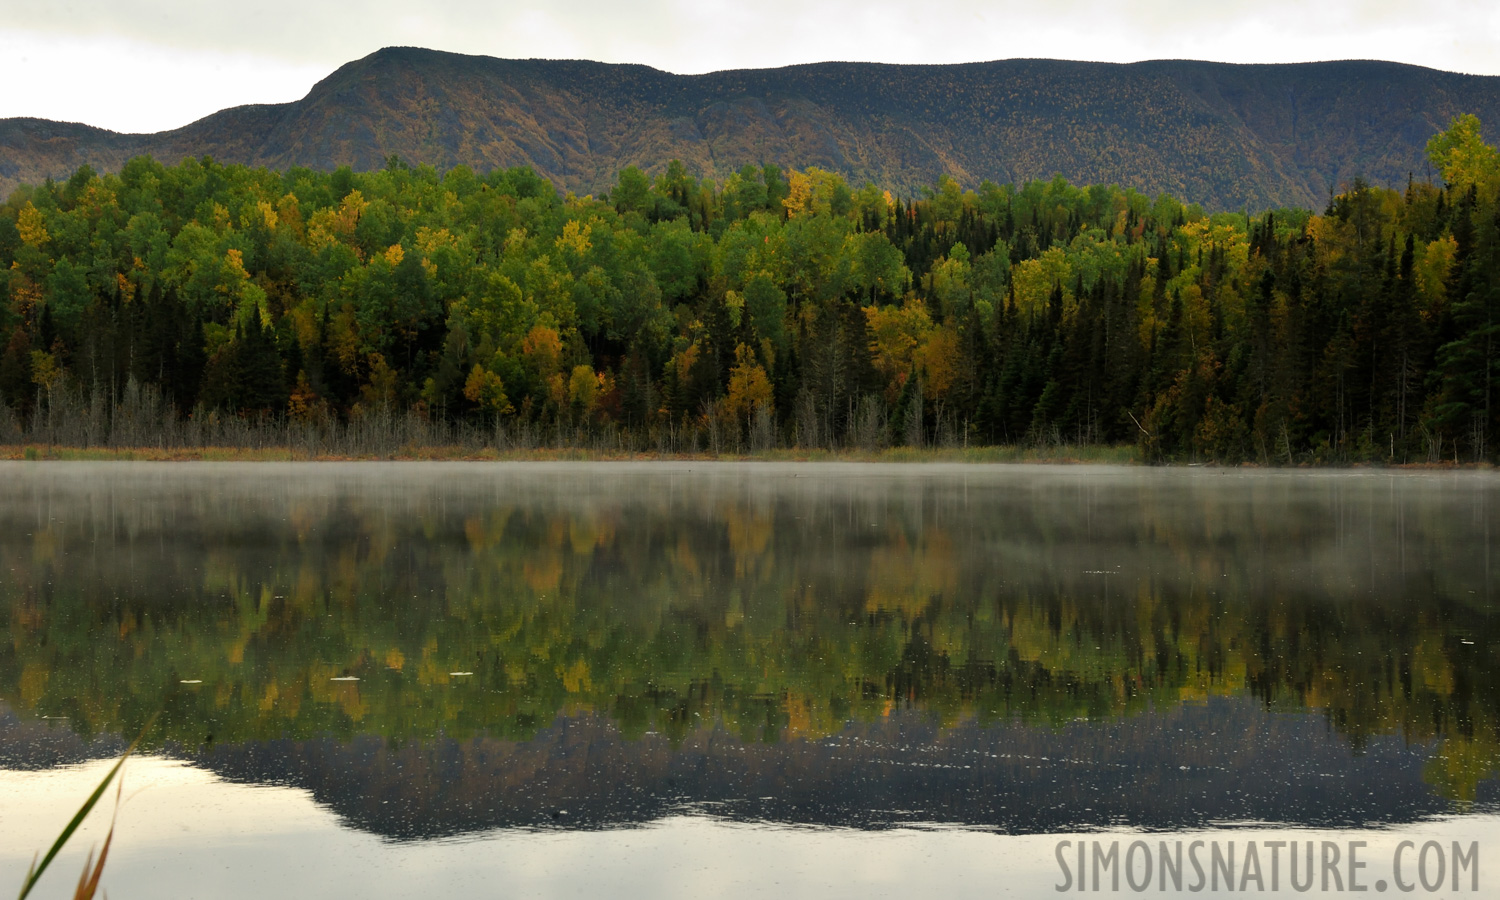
<point x="147" y="65"/>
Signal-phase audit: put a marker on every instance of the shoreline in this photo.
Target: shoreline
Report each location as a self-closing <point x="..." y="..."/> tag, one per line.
<point x="453" y="453"/>
<point x="1098" y="455"/>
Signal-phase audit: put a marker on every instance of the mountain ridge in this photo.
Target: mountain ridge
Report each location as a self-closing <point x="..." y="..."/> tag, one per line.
<point x="1223" y="134"/>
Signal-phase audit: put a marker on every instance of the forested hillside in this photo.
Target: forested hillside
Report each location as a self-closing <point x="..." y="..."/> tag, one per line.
<point x="1230" y="137"/>
<point x="774" y="307"/>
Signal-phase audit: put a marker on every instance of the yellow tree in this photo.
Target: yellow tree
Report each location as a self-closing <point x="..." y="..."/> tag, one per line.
<point x="583" y="389"/>
<point x="939" y="358"/>
<point x="749" y="387"/>
<point x="586" y="389"/>
<point x="811" y="192"/>
<point x="895" y="334"/>
<point x="244" y="296"/>
<point x="1463" y="157"/>
<point x="31" y="227"/>
<point x="542" y="347"/>
<point x="799" y="194"/>
<point x="485" y="389"/>
<point x="1034" y="280"/>
<point x="304" y="404"/>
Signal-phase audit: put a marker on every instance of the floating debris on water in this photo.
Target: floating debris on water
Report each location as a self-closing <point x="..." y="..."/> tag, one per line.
<point x="345" y="678"/>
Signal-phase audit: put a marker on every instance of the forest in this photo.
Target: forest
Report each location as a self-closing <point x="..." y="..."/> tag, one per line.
<point x="202" y="303"/>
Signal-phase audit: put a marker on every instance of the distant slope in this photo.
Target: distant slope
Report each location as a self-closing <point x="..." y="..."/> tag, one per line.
<point x="1224" y="135"/>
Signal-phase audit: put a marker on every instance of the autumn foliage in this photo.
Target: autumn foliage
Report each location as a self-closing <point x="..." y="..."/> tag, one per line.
<point x="788" y="303"/>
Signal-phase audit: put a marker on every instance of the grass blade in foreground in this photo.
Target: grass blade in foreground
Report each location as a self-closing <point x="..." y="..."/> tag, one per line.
<point x="35" y="872"/>
<point x="88" y="881"/>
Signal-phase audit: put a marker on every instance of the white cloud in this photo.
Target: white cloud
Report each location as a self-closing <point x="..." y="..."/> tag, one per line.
<point x="127" y="85"/>
<point x="146" y="64"/>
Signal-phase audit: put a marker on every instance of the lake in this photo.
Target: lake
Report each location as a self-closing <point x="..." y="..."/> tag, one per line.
<point x="741" y="680"/>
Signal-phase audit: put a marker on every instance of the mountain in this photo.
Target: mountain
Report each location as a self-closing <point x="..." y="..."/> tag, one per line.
<point x="1227" y="136"/>
<point x="1171" y="770"/>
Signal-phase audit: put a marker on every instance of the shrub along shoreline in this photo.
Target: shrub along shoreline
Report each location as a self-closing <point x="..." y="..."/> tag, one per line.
<point x="478" y="452"/>
<point x="1118" y="455"/>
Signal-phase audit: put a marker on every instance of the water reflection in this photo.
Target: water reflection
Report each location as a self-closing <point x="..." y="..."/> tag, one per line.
<point x="433" y="649"/>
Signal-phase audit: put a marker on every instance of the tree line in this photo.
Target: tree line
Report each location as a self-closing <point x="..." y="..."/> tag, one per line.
<point x="774" y="308"/>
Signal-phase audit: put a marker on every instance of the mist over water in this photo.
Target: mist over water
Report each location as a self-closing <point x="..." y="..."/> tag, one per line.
<point x="481" y="651"/>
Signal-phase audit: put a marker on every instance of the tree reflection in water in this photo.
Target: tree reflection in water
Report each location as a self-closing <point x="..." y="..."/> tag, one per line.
<point x="724" y="634"/>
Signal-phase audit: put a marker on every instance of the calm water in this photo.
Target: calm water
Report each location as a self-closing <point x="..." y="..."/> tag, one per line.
<point x="760" y="680"/>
